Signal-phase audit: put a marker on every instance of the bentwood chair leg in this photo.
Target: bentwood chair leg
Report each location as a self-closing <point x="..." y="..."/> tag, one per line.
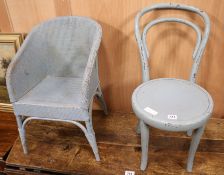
<point x="144" y="144"/>
<point x="138" y="127"/>
<point x="193" y="147"/>
<point x="190" y="132"/>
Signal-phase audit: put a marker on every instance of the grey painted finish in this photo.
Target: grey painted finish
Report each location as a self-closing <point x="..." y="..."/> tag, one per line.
<point x="190" y="132"/>
<point x="162" y="20"/>
<point x="193" y="147"/>
<point x="168" y="96"/>
<point x="54" y="97"/>
<point x="144" y="144"/>
<point x="168" y="103"/>
<point x="62" y="47"/>
<point x="100" y="97"/>
<point x="22" y="133"/>
<point x="162" y="6"/>
<point x="54" y="75"/>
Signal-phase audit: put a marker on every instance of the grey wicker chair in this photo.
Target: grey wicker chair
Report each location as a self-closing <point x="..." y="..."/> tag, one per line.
<point x="54" y="75"/>
<point x="168" y="103"/>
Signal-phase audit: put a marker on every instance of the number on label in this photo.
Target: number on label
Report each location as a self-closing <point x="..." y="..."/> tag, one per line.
<point x="129" y="173"/>
<point x="172" y="117"/>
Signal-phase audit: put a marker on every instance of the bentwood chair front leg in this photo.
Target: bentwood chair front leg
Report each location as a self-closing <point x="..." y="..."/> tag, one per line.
<point x="193" y="147"/>
<point x="144" y="143"/>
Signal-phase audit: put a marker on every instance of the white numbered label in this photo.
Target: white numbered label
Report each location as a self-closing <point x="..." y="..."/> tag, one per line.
<point x="129" y="173"/>
<point x="150" y="110"/>
<point x="172" y="117"/>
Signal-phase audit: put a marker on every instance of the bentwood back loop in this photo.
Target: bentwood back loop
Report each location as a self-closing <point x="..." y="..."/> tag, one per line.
<point x="201" y="39"/>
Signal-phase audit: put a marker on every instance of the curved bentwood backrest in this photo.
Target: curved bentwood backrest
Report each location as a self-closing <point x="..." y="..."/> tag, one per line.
<point x="201" y="40"/>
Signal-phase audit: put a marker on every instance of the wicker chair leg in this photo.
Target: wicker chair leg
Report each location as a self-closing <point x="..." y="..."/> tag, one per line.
<point x="144" y="144"/>
<point x="22" y="134"/>
<point x="193" y="147"/>
<point x="90" y="117"/>
<point x="100" y="97"/>
<point x="92" y="140"/>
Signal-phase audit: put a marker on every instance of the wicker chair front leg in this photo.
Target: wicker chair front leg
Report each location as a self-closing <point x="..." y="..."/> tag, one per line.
<point x="22" y="133"/>
<point x="90" y="135"/>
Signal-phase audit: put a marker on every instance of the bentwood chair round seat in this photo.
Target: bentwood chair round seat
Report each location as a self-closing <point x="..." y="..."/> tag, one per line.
<point x="172" y="104"/>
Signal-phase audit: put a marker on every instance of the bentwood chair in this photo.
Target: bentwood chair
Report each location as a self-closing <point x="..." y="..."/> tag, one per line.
<point x="54" y="75"/>
<point x="167" y="103"/>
